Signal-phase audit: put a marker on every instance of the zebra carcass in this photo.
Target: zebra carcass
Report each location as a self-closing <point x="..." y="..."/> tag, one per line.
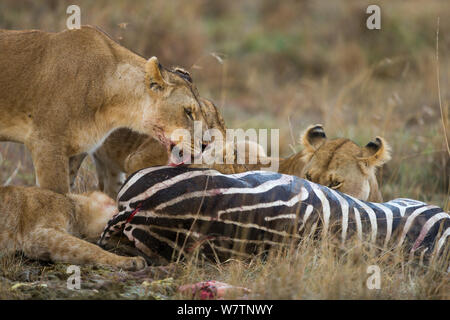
<point x="173" y="211"/>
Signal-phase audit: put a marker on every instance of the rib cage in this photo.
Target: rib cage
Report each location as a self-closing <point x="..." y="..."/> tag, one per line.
<point x="168" y="211"/>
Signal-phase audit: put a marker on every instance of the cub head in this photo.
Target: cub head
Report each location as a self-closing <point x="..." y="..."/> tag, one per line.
<point x="92" y="212"/>
<point x="342" y="165"/>
<point x="175" y="105"/>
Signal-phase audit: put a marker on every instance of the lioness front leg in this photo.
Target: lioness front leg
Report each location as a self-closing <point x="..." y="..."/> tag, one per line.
<point x="51" y="166"/>
<point x="59" y="246"/>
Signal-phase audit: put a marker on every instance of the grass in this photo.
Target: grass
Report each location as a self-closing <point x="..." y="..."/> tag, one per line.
<point x="312" y="270"/>
<point x="321" y="269"/>
<point x="293" y="62"/>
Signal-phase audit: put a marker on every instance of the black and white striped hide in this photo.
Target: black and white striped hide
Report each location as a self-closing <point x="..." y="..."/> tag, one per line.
<point x="171" y="211"/>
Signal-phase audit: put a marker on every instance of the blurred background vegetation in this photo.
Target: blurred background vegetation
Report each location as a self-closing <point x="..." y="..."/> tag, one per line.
<point x="288" y="64"/>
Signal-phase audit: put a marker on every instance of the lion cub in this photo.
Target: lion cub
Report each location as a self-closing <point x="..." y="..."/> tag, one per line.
<point x="45" y="225"/>
<point x="339" y="163"/>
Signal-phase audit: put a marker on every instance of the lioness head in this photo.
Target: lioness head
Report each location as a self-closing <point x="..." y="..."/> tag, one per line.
<point x="152" y="153"/>
<point x="176" y="105"/>
<point x="343" y="165"/>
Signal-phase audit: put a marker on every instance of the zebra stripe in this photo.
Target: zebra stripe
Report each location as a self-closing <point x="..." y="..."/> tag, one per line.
<point x="290" y="203"/>
<point x="372" y="218"/>
<point x="400" y="207"/>
<point x="135" y="177"/>
<point x="325" y="206"/>
<point x="389" y="220"/>
<point x="212" y="192"/>
<point x="442" y="239"/>
<point x="224" y="221"/>
<point x="308" y="211"/>
<point x="165" y="240"/>
<point x="358" y="223"/>
<point x="345" y="210"/>
<point x="167" y="210"/>
<point x="427" y="226"/>
<point x="168" y="183"/>
<point x="410" y="220"/>
<point x="282" y="216"/>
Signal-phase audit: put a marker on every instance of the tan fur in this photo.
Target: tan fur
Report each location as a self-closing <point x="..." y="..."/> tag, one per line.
<point x="235" y="162"/>
<point x="149" y="152"/>
<point x="63" y="93"/>
<point x="339" y="163"/>
<point x="126" y="151"/>
<point x="48" y="226"/>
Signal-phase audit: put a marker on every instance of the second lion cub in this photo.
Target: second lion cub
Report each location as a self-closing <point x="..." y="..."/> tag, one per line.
<point x="45" y="225"/>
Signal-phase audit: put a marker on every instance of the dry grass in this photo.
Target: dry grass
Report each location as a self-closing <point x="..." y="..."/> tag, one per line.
<point x="295" y="62"/>
<point x="322" y="270"/>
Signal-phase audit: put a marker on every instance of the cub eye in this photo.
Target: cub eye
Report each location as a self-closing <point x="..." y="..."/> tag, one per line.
<point x="335" y="184"/>
<point x="308" y="177"/>
<point x="188" y="112"/>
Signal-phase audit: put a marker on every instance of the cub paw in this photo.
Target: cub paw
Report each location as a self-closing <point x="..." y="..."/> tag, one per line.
<point x="133" y="264"/>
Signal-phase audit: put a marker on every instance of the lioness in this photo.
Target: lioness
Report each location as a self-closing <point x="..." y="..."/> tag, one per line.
<point x="339" y="163"/>
<point x="126" y="151"/>
<point x="46" y="226"/>
<point x="61" y="94"/>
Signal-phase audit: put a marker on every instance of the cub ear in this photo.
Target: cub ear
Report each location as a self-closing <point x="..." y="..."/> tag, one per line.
<point x="376" y="153"/>
<point x="313" y="137"/>
<point x="153" y="76"/>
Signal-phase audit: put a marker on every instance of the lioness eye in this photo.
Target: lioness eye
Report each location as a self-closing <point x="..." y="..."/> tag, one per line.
<point x="335" y="184"/>
<point x="189" y="113"/>
<point x="308" y="177"/>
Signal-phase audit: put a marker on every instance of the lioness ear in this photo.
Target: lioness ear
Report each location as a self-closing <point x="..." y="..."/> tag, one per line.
<point x="153" y="77"/>
<point x="313" y="137"/>
<point x="183" y="73"/>
<point x="376" y="153"/>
